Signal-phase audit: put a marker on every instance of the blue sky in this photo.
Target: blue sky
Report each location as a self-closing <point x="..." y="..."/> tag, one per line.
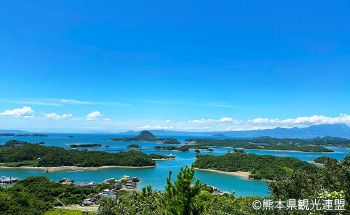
<point x="180" y="65"/>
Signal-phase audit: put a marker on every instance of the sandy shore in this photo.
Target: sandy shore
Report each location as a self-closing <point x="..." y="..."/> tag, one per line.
<point x="238" y="173"/>
<point x="165" y="159"/>
<point x="317" y="163"/>
<point x="60" y="168"/>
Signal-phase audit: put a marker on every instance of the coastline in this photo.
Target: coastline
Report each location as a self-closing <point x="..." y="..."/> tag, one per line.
<point x="317" y="163"/>
<point x="60" y="168"/>
<point x="165" y="159"/>
<point x="289" y="151"/>
<point x="273" y="150"/>
<point x="244" y="175"/>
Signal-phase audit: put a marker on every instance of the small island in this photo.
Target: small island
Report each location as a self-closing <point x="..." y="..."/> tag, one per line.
<point x="145" y="136"/>
<point x="134" y="146"/>
<point x="157" y="157"/>
<point x="323" y="160"/>
<point x="83" y="145"/>
<point x="184" y="148"/>
<point x="171" y="141"/>
<point x="258" y="167"/>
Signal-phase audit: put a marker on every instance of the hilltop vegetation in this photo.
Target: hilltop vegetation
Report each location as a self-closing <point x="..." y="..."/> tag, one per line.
<point x="332" y="181"/>
<point x="56" y="156"/>
<point x="35" y="195"/>
<point x="324" y="160"/>
<point x="264" y="143"/>
<point x="261" y="166"/>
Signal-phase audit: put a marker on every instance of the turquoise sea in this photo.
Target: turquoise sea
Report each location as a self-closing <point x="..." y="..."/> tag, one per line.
<point x="154" y="176"/>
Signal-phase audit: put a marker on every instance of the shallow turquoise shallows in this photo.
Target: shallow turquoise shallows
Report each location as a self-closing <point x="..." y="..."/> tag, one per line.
<point x="154" y="176"/>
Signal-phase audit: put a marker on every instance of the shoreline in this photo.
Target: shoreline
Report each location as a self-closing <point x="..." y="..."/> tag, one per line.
<point x="60" y="168"/>
<point x="317" y="163"/>
<point x="273" y="150"/>
<point x="165" y="159"/>
<point x="244" y="175"/>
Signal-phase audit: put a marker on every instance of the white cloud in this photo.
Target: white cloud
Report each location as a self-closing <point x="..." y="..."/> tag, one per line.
<point x="72" y="101"/>
<point x="226" y="119"/>
<point x="55" y="116"/>
<point x="168" y="120"/>
<point x="26" y="112"/>
<point x="155" y="127"/>
<point x="94" y="115"/>
<point x="264" y="123"/>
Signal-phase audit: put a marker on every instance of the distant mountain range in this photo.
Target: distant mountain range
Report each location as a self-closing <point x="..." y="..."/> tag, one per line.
<point x="334" y="130"/>
<point x="11" y="131"/>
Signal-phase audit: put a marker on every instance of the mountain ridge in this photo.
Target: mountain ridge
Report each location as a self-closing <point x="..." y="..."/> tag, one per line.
<point x="333" y="130"/>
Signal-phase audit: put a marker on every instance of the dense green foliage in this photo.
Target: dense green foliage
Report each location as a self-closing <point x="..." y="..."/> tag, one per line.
<point x="331" y="141"/>
<point x="35" y="195"/>
<point x="181" y="195"/>
<point x="134" y="146"/>
<point x="143" y="136"/>
<point x="324" y="160"/>
<point x="56" y="156"/>
<point x="261" y="166"/>
<point x="171" y="141"/>
<point x="332" y="181"/>
<point x="65" y="212"/>
<point x="184" y="148"/>
<point x="83" y="145"/>
<point x="157" y="156"/>
<point x="18" y="143"/>
<point x="264" y="143"/>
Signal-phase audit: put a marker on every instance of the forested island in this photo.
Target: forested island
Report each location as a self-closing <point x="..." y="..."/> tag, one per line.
<point x="18" y="143"/>
<point x="146" y="136"/>
<point x="323" y="160"/>
<point x="83" y="145"/>
<point x="171" y="141"/>
<point x="263" y="143"/>
<point x="41" y="156"/>
<point x="184" y="148"/>
<point x="162" y="157"/>
<point x="143" y="136"/>
<point x="134" y="146"/>
<point x="260" y="166"/>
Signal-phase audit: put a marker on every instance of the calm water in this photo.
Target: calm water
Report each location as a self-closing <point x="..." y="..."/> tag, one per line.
<point x="154" y="176"/>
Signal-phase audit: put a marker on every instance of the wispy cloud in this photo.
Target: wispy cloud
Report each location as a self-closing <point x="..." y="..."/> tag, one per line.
<point x="32" y="102"/>
<point x="55" y="116"/>
<point x="60" y="102"/>
<point x="223" y="105"/>
<point x="174" y="102"/>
